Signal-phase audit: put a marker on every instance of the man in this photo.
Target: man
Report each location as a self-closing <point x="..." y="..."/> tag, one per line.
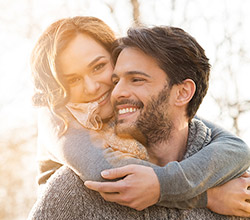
<point x="163" y="98"/>
<point x="153" y="96"/>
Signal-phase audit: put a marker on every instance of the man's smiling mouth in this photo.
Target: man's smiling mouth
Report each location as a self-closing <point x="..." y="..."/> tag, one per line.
<point x="127" y="110"/>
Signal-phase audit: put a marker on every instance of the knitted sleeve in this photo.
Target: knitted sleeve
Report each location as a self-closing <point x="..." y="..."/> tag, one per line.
<point x="225" y="157"/>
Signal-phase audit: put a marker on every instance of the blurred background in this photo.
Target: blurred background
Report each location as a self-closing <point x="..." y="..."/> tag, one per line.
<point x="221" y="27"/>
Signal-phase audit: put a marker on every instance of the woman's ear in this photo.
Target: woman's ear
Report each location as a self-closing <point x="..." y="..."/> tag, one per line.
<point x="185" y="92"/>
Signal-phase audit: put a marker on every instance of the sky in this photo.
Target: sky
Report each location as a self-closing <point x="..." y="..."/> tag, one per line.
<point x="22" y="21"/>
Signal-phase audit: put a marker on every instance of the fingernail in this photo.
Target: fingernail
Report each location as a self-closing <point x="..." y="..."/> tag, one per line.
<point x="105" y="173"/>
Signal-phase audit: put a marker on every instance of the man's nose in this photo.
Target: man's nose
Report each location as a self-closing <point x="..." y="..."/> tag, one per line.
<point x="120" y="91"/>
<point x="91" y="86"/>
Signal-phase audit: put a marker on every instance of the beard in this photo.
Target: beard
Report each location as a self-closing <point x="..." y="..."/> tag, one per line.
<point x="153" y="125"/>
<point x="154" y="122"/>
<point x="128" y="131"/>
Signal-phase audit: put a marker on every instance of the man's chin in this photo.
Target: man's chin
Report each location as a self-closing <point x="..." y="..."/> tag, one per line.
<point x="124" y="136"/>
<point x="130" y="132"/>
<point x="123" y="131"/>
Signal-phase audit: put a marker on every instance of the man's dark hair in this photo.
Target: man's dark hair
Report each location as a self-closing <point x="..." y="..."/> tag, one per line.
<point x="177" y="53"/>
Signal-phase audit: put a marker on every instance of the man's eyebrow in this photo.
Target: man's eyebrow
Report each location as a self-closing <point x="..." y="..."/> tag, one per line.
<point x="134" y="72"/>
<point x="114" y="75"/>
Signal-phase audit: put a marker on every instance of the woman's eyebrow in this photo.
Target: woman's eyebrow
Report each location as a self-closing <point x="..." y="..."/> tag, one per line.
<point x="69" y="75"/>
<point x="95" y="60"/>
<point x="88" y="66"/>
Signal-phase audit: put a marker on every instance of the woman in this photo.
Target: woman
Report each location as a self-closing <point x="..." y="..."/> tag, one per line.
<point x="72" y="66"/>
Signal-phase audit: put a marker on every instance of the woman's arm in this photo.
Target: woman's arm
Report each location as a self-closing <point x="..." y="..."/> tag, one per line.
<point x="83" y="154"/>
<point x="240" y="194"/>
<point x="80" y="149"/>
<point x="224" y="158"/>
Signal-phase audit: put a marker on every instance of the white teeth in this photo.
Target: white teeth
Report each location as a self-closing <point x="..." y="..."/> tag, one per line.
<point x="103" y="97"/>
<point x="126" y="110"/>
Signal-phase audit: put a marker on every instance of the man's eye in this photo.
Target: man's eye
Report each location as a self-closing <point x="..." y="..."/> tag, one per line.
<point x="98" y="67"/>
<point x="137" y="79"/>
<point x="115" y="81"/>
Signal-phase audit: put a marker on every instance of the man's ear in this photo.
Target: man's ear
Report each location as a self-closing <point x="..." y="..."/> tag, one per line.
<point x="185" y="92"/>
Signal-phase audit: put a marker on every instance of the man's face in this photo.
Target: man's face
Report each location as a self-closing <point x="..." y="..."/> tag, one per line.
<point x="140" y="97"/>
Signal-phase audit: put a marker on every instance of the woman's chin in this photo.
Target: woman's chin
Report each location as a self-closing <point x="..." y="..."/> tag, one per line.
<point x="105" y="116"/>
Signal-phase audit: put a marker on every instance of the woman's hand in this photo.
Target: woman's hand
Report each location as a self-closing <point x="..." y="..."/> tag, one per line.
<point x="232" y="198"/>
<point x="139" y="188"/>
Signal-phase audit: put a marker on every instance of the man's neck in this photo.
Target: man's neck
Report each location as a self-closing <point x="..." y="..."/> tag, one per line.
<point x="172" y="149"/>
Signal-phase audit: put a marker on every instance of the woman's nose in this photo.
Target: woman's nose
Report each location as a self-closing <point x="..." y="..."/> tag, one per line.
<point x="91" y="86"/>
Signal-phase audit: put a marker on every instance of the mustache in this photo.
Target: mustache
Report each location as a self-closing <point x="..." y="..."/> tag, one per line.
<point x="128" y="101"/>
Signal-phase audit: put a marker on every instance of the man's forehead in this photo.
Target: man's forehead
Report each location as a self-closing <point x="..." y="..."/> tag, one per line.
<point x="125" y="57"/>
<point x="133" y="60"/>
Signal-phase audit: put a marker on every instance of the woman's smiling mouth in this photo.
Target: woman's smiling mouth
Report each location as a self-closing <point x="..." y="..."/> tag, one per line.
<point x="103" y="98"/>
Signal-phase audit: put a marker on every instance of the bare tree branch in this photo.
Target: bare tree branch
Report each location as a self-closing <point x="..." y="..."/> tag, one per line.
<point x="112" y="11"/>
<point x="136" y="12"/>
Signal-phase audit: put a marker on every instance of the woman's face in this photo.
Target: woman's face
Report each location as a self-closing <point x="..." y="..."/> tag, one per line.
<point x="86" y="66"/>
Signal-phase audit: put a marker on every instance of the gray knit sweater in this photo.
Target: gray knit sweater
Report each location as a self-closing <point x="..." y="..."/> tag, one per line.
<point x="65" y="196"/>
<point x="224" y="157"/>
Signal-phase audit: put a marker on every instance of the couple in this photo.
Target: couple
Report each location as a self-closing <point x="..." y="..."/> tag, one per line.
<point x="156" y="79"/>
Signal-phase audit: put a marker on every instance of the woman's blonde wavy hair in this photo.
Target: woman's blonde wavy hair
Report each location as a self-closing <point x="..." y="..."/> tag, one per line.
<point x="50" y="89"/>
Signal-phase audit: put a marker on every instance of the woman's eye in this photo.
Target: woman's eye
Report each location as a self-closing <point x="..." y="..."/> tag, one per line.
<point x="98" y="67"/>
<point x="74" y="80"/>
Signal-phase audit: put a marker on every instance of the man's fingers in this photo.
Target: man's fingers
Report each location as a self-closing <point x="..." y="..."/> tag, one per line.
<point x="104" y="187"/>
<point x="117" y="172"/>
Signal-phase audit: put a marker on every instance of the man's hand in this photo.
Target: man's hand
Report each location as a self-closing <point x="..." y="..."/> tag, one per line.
<point x="139" y="189"/>
<point x="232" y="198"/>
